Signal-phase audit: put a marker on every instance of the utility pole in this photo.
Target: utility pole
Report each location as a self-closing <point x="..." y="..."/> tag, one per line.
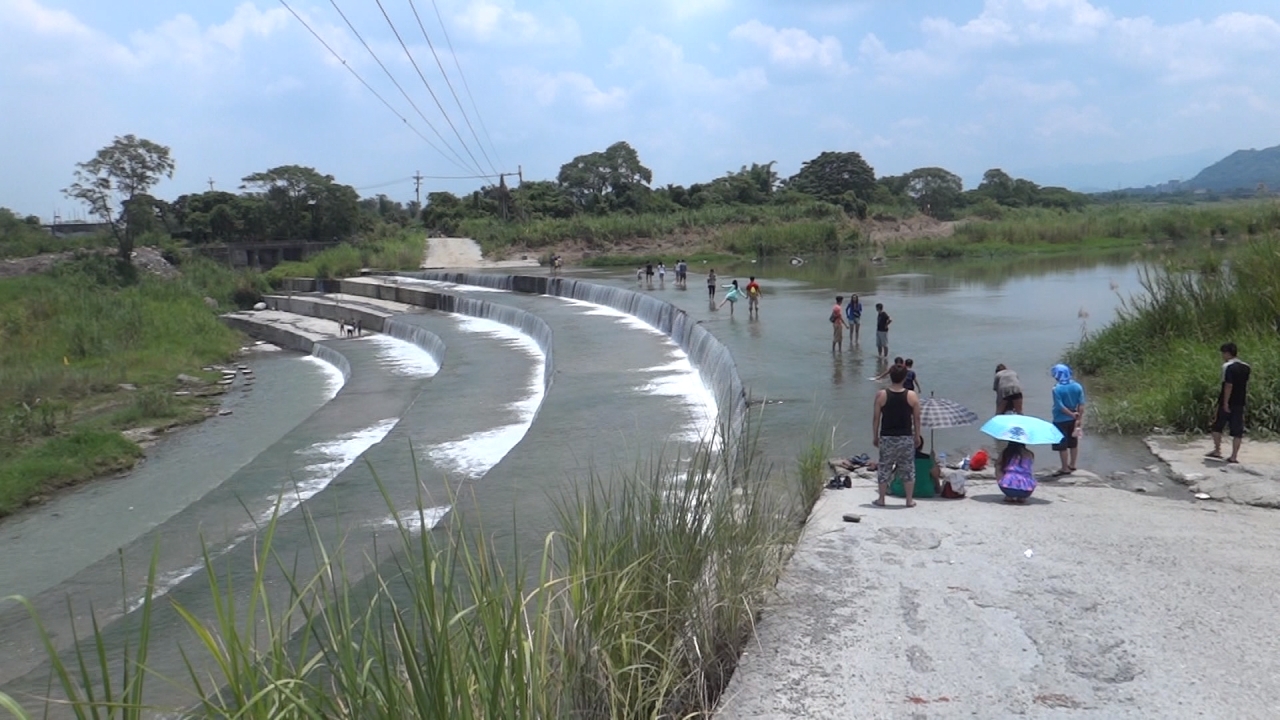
<point x="210" y="184"/>
<point x="520" y="173"/>
<point x="417" y="186"/>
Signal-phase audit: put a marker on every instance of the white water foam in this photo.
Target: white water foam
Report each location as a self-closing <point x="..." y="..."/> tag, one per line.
<point x="333" y="380"/>
<point x="414" y="521"/>
<point x="445" y="285"/>
<point x="679" y="378"/>
<point x="402" y="357"/>
<point x="477" y="453"/>
<point x="333" y="457"/>
<point x="329" y="459"/>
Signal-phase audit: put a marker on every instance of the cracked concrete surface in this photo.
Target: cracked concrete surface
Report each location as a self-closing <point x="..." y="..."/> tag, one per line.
<point x="1130" y="606"/>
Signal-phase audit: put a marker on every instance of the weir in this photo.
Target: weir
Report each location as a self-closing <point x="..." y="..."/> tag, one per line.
<point x="526" y="322"/>
<point x="708" y="355"/>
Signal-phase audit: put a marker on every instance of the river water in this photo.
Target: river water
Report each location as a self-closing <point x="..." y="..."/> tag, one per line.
<point x="957" y="320"/>
<point x="481" y="424"/>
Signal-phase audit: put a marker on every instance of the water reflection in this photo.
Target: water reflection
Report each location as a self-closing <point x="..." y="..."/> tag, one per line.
<point x="932" y="277"/>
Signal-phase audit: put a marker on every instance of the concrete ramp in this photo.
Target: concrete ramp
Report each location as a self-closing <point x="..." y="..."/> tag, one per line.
<point x="458" y="253"/>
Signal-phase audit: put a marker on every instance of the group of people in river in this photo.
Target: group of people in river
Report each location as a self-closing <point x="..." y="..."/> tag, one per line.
<point x="733" y="291"/>
<point x="849" y="317"/>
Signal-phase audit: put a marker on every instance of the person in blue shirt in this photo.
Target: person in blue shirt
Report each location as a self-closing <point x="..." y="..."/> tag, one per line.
<point x="1068" y="417"/>
<point x="853" y="318"/>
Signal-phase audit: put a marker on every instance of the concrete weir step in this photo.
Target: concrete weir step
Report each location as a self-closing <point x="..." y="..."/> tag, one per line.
<point x="226" y="521"/>
<point x="608" y="410"/>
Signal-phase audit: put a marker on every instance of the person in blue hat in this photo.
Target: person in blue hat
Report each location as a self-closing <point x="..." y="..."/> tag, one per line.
<point x="1068" y="417"/>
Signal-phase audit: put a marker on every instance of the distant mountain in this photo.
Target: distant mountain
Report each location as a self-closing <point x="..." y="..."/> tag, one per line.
<point x="1241" y="170"/>
<point x="1106" y="176"/>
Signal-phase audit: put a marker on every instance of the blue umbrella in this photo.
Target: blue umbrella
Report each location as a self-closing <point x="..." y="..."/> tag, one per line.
<point x="1023" y="429"/>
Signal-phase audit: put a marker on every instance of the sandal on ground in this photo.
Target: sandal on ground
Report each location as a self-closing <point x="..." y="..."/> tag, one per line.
<point x="911" y="504"/>
<point x="1213" y="454"/>
<point x="1232" y="462"/>
<point x="878" y="503"/>
<point x="1072" y="468"/>
<point x="1060" y="473"/>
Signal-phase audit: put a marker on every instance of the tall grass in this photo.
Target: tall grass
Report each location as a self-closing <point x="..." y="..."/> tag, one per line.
<point x="68" y="340"/>
<point x="637" y="606"/>
<point x="1169" y="223"/>
<point x="1158" y="363"/>
<point x="602" y="232"/>
<point x="399" y="250"/>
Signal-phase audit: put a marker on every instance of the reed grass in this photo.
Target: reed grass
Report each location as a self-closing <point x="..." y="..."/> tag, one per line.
<point x="1159" y="364"/>
<point x="603" y="232"/>
<point x="399" y="250"/>
<point x="1098" y="227"/>
<point x="637" y="605"/>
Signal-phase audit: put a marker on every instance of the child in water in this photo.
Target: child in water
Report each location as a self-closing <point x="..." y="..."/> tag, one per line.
<point x="732" y="296"/>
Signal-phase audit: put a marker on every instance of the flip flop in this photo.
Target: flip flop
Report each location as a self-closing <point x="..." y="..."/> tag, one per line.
<point x="1232" y="462"/>
<point x="877" y="503"/>
<point x="911" y="504"/>
<point x="1214" y="454"/>
<point x="1060" y="473"/>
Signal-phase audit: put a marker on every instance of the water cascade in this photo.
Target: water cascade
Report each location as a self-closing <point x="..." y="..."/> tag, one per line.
<point x="527" y="323"/>
<point x="423" y="338"/>
<point x="323" y="352"/>
<point x="707" y="354"/>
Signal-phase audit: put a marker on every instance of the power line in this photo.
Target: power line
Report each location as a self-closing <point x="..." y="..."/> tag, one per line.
<point x="466" y="86"/>
<point x="431" y="92"/>
<point x="431" y="177"/>
<point x="460" y="163"/>
<point x="450" y="84"/>
<point x="363" y="82"/>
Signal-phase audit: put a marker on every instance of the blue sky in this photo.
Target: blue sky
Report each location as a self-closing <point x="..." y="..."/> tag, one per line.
<point x="1081" y="92"/>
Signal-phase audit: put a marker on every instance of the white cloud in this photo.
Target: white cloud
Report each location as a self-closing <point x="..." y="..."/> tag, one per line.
<point x="902" y="66"/>
<point x="499" y="21"/>
<point x="1196" y="50"/>
<point x="658" y="58"/>
<point x="1019" y="22"/>
<point x="793" y="47"/>
<point x="1071" y="123"/>
<point x="182" y="40"/>
<point x="573" y="87"/>
<point x="178" y="41"/>
<point x="686" y="9"/>
<point x="1006" y="87"/>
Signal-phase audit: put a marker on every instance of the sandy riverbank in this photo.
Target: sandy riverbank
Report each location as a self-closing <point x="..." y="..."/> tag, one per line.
<point x="1091" y="601"/>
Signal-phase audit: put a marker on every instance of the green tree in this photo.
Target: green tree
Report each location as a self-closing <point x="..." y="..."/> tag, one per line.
<point x="597" y="177"/>
<point x="937" y="192"/>
<point x="832" y="174"/>
<point x="303" y="203"/>
<point x="997" y="185"/>
<point x="114" y="178"/>
<point x="542" y="199"/>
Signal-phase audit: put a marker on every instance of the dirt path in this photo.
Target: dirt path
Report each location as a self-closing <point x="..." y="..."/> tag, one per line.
<point x="451" y="253"/>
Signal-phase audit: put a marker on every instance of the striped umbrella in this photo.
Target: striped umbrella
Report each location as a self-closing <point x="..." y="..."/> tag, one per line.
<point x="936" y="412"/>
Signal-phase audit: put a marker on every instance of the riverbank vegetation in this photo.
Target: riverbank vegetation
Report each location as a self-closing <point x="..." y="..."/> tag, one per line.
<point x="602" y="209"/>
<point x="85" y="351"/>
<point x="1158" y="365"/>
<point x="638" y="604"/>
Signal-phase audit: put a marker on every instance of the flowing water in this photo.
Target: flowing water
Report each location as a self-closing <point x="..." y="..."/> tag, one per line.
<point x="510" y="391"/>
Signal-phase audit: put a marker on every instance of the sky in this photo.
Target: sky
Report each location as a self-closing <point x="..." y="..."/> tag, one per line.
<point x="1087" y="93"/>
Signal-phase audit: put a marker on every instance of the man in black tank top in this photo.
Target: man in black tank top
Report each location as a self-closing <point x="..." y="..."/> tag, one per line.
<point x="895" y="424"/>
